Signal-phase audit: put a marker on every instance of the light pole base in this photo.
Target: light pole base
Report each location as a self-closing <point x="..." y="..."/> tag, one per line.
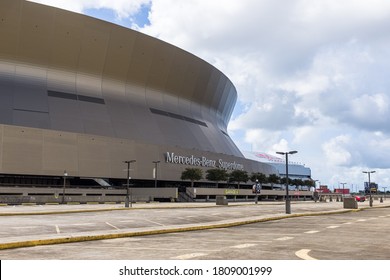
<point x="288" y="206"/>
<point x="127" y="202"/>
<point x="371" y="201"/>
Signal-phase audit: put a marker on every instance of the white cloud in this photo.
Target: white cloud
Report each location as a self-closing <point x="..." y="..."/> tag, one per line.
<point x="370" y="111"/>
<point x="336" y="152"/>
<point x="261" y="138"/>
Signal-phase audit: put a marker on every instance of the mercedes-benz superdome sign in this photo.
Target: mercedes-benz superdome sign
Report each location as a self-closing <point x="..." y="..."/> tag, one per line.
<point x="202" y="161"/>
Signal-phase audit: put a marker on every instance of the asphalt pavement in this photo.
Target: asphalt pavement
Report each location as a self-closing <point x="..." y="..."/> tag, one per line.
<point x="24" y="226"/>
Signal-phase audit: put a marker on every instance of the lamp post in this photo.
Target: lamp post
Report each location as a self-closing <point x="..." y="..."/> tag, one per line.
<point x="369" y="184"/>
<point x="155" y="172"/>
<point x="342" y="196"/>
<point x="63" y="189"/>
<point x="288" y="206"/>
<point x="257" y="190"/>
<point x="315" y="192"/>
<point x="127" y="184"/>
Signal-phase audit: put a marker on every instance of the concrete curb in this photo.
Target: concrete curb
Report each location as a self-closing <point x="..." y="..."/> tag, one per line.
<point x="114" y="209"/>
<point x="94" y="237"/>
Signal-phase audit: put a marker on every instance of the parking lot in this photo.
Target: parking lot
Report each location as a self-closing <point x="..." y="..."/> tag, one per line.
<point x="350" y="235"/>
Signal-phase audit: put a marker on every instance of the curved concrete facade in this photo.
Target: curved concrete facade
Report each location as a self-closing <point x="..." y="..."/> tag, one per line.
<point x="83" y="95"/>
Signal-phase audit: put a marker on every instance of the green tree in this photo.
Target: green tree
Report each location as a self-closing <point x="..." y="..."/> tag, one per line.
<point x="262" y="178"/>
<point x="217" y="175"/>
<point x="238" y="176"/>
<point x="192" y="174"/>
<point x="273" y="179"/>
<point x="297" y="183"/>
<point x="309" y="183"/>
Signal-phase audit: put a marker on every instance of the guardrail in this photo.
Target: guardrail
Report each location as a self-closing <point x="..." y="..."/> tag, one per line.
<point x="339" y="196"/>
<point x="42" y="195"/>
<point x="207" y="194"/>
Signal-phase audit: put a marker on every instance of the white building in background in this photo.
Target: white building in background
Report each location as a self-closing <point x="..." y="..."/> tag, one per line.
<point x="296" y="170"/>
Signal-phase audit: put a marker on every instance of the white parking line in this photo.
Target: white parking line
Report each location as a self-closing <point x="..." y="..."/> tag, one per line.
<point x="332" y="226"/>
<point x="312" y="231"/>
<point x="26" y="227"/>
<point x="58" y="229"/>
<point x="304" y="254"/>
<point x="112" y="225"/>
<point x="189" y="256"/>
<point x="284" y="238"/>
<point x="126" y="221"/>
<point x="361" y="220"/>
<point x="243" y="246"/>
<point x="153" y="222"/>
<point x="347" y="223"/>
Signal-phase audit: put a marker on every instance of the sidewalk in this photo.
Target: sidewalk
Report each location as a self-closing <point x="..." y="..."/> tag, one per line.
<point x="275" y="212"/>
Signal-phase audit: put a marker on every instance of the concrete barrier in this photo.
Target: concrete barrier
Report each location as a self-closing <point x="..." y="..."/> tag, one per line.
<point x="43" y="195"/>
<point x="350" y="203"/>
<point x="221" y="200"/>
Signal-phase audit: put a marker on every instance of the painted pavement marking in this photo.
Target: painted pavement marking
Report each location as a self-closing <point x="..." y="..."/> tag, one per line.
<point x="284" y="238"/>
<point x="333" y="227"/>
<point x="111" y="225"/>
<point x="312" y="231"/>
<point x="153" y="222"/>
<point x="243" y="246"/>
<point x="304" y="254"/>
<point x="189" y="256"/>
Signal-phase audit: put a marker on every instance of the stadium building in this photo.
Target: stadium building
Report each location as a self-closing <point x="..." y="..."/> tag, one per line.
<point x="79" y="97"/>
<point x="296" y="170"/>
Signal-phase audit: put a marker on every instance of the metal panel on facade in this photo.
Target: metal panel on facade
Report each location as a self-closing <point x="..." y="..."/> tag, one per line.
<point x="9" y="27"/>
<point x="60" y="153"/>
<point x="175" y="80"/>
<point x="93" y="156"/>
<point x="141" y="59"/>
<point x="93" y="47"/>
<point x="162" y="59"/>
<point x="7" y="94"/>
<point x="22" y="150"/>
<point x="65" y="43"/>
<point x="118" y="56"/>
<point x="121" y="150"/>
<point x="36" y="27"/>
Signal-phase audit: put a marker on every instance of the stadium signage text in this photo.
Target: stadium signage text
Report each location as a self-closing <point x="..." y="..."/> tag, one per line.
<point x="202" y="161"/>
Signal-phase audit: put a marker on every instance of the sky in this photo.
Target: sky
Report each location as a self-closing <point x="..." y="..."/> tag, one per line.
<point x="311" y="75"/>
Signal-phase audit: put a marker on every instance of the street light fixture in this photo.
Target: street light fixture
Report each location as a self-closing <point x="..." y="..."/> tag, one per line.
<point x="369" y="184"/>
<point x="288" y="205"/>
<point x="155" y="172"/>
<point x="127" y="184"/>
<point x="63" y="189"/>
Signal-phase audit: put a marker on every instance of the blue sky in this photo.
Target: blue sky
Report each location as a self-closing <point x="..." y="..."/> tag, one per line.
<point x="311" y="76"/>
<point x="140" y="19"/>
